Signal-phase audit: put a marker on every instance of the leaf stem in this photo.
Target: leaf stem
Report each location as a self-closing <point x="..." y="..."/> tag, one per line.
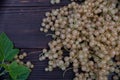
<point x="2" y="73"/>
<point x="1" y="63"/>
<point x="66" y="71"/>
<point x="34" y="52"/>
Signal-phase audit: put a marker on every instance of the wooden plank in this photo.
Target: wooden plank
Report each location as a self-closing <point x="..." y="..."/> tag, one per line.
<point x="25" y="9"/>
<point x="15" y="3"/>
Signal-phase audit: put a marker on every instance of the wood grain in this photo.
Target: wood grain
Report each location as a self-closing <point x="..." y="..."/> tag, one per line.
<point x="20" y="3"/>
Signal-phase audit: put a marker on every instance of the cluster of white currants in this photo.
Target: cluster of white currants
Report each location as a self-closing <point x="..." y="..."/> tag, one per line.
<point x="55" y="1"/>
<point x="89" y="33"/>
<point x="19" y="58"/>
<point x="58" y="1"/>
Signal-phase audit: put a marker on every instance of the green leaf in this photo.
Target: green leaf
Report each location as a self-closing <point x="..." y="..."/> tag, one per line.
<point x="7" y="52"/>
<point x="18" y="72"/>
<point x="11" y="54"/>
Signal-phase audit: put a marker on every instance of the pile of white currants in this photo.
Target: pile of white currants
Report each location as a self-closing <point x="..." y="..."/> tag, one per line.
<point x="89" y="33"/>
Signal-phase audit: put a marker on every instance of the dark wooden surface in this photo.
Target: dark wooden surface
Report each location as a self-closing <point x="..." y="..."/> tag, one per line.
<point x="21" y="20"/>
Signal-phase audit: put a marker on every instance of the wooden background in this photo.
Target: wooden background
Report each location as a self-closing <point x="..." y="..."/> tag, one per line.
<point x="21" y="20"/>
